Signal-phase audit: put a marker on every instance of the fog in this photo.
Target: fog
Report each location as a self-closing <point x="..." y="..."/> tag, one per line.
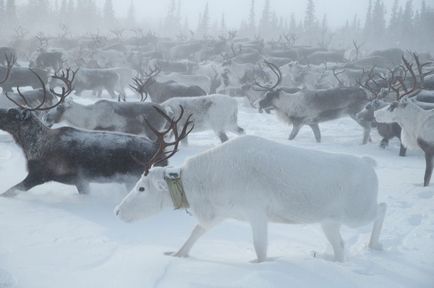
<point x="338" y="11"/>
<point x="335" y="23"/>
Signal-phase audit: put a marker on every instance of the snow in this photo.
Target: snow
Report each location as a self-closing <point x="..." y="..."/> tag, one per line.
<point x="53" y="237"/>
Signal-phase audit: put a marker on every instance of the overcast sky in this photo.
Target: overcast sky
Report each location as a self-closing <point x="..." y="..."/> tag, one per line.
<point x="338" y="10"/>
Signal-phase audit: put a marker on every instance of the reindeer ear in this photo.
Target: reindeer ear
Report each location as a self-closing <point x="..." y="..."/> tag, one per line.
<point x="25" y="114"/>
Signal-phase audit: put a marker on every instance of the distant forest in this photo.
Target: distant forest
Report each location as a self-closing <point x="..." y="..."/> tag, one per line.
<point x="404" y="26"/>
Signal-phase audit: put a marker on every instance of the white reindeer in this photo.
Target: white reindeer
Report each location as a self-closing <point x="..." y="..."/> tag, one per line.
<point x="417" y="128"/>
<point x="417" y="123"/>
<point x="260" y="181"/>
<point x="216" y="112"/>
<point x="105" y="115"/>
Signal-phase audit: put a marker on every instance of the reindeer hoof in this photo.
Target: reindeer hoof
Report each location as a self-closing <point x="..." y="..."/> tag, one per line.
<point x="376" y="246"/>
<point x="9" y="194"/>
<point x="175" y="254"/>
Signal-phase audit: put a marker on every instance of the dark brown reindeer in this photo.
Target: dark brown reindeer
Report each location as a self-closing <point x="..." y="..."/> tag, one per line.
<point x="77" y="157"/>
<point x="387" y="131"/>
<point x="311" y="107"/>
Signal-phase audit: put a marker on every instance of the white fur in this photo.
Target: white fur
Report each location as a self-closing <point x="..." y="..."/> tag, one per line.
<point x="415" y="122"/>
<point x="220" y="117"/>
<point x="259" y="181"/>
<point x="102" y="115"/>
<point x="202" y="81"/>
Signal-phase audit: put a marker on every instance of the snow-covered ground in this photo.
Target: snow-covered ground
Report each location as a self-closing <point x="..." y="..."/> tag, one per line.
<point x="53" y="237"/>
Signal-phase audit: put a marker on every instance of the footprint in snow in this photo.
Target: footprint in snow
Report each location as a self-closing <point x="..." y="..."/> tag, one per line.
<point x="415" y="219"/>
<point x="427" y="194"/>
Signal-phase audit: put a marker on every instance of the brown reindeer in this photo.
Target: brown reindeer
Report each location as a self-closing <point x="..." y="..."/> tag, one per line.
<point x="72" y="156"/>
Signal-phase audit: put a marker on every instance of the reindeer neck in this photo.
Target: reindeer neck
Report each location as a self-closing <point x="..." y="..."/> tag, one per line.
<point x="154" y="85"/>
<point x="153" y="89"/>
<point x="31" y="137"/>
<point x="410" y="115"/>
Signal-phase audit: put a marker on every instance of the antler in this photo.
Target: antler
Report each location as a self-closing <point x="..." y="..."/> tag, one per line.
<point x="162" y="154"/>
<point x="153" y="72"/>
<point x="140" y="87"/>
<point x="43" y="41"/>
<point x="10" y="62"/>
<point x="415" y="87"/>
<point x="420" y="67"/>
<point x="370" y="78"/>
<point x="277" y="72"/>
<point x="357" y="47"/>
<point x="336" y="74"/>
<point x="66" y="77"/>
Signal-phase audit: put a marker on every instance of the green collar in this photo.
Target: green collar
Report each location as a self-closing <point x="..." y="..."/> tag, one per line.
<point x="176" y="189"/>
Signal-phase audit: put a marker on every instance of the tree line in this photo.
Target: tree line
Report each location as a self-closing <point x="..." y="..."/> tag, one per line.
<point x="404" y="26"/>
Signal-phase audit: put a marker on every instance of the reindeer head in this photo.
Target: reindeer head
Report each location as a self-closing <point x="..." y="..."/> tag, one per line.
<point x="145" y="199"/>
<point x="403" y="106"/>
<point x="144" y="81"/>
<point x="150" y="195"/>
<point x="227" y="58"/>
<point x="56" y="114"/>
<point x="367" y="114"/>
<point x="271" y="91"/>
<point x="12" y="120"/>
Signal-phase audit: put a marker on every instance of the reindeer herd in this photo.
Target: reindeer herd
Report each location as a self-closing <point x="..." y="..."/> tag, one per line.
<point x="166" y="89"/>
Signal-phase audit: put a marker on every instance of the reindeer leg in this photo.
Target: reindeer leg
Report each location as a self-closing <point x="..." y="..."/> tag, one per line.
<point x="111" y="93"/>
<point x="83" y="187"/>
<point x="429" y="154"/>
<point x="428" y="168"/>
<point x="295" y="129"/>
<point x="402" y="151"/>
<point x="331" y="231"/>
<point x="240" y="131"/>
<point x="223" y="137"/>
<point x="366" y="135"/>
<point x="28" y="183"/>
<point x="384" y="142"/>
<point x="316" y="132"/>
<point x="366" y="129"/>
<point x="198" y="232"/>
<point x="374" y="243"/>
<point x="260" y="238"/>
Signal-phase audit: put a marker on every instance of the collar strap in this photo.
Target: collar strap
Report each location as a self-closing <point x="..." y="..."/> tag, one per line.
<point x="176" y="189"/>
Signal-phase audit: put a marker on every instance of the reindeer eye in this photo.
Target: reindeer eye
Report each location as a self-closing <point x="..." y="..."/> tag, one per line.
<point x="141" y="189"/>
